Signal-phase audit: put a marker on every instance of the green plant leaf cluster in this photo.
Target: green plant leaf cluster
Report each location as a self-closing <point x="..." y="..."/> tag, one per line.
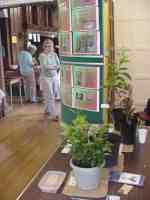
<point x="118" y="76"/>
<point x="89" y="142"/>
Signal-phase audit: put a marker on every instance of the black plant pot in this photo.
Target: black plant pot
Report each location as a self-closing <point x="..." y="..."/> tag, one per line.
<point x="118" y="117"/>
<point x="128" y="131"/>
<point x="112" y="159"/>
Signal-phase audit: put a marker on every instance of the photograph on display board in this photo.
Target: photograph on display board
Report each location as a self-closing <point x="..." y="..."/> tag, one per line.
<point x="65" y="47"/>
<point x="81" y="3"/>
<point x="64" y="15"/>
<point x="66" y="95"/>
<point x="66" y="75"/>
<point x="86" y="43"/>
<point x="85" y="18"/>
<point x="86" y="99"/>
<point x="86" y="77"/>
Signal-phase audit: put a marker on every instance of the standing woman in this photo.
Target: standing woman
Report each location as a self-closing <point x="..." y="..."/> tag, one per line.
<point x="25" y="61"/>
<point x="50" y="64"/>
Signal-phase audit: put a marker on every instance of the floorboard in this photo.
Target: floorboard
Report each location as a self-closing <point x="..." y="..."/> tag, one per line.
<point x="27" y="140"/>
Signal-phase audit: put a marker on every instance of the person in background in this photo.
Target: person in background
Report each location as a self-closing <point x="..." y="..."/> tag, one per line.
<point x="50" y="64"/>
<point x="26" y="63"/>
<point x="2" y="103"/>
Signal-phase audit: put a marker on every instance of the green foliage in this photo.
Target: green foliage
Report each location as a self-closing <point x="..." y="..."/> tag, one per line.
<point x="89" y="142"/>
<point x="118" y="76"/>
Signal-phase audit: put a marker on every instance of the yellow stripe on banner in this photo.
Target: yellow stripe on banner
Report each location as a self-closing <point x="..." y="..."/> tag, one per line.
<point x="106" y="13"/>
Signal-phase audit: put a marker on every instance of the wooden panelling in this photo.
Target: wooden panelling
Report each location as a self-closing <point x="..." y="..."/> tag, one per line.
<point x="16" y="30"/>
<point x="43" y="17"/>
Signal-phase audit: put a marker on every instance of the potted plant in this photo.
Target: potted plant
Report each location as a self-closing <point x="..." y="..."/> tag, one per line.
<point x="117" y="84"/>
<point x="89" y="147"/>
<point x="128" y="121"/>
<point x="118" y="76"/>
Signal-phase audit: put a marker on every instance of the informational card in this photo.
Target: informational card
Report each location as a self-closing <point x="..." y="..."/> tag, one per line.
<point x="86" y="43"/>
<point x="80" y="3"/>
<point x="86" y="99"/>
<point x="65" y="43"/>
<point x="66" y="95"/>
<point x="127" y="178"/>
<point x="64" y="15"/>
<point x="112" y="197"/>
<point x="125" y="189"/>
<point x="66" y="149"/>
<point x="66" y="75"/>
<point x="85" y="18"/>
<point x="86" y="77"/>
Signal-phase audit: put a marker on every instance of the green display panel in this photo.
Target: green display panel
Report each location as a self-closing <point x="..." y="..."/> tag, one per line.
<point x="82" y="59"/>
<point x="81" y="55"/>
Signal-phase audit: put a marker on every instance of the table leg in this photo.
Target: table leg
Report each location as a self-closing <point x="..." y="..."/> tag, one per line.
<point x="20" y="94"/>
<point x="11" y="98"/>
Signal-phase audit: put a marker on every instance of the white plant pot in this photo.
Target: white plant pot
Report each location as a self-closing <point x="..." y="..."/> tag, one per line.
<point x="142" y="134"/>
<point x="87" y="178"/>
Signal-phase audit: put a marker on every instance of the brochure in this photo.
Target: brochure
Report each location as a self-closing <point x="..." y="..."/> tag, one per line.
<point x="86" y="99"/>
<point x="66" y="95"/>
<point x="86" y="43"/>
<point x="112" y="197"/>
<point x="127" y="178"/>
<point x="65" y="43"/>
<point x="85" y="18"/>
<point x="86" y="77"/>
<point x="81" y="3"/>
<point x="66" y="75"/>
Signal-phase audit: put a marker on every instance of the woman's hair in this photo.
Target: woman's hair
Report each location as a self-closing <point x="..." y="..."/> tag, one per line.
<point x="32" y="49"/>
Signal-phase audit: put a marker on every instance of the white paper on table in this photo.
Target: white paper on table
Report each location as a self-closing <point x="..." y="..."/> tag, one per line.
<point x="66" y="149"/>
<point x="72" y="181"/>
<point x="129" y="178"/>
<point x="112" y="197"/>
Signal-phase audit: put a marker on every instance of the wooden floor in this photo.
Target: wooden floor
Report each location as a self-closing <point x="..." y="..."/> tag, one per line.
<point x="27" y="140"/>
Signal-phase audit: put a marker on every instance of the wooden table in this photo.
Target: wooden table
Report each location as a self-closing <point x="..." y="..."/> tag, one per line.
<point x="136" y="162"/>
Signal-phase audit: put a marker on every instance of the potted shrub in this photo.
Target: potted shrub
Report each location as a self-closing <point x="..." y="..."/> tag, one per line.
<point x="89" y="147"/>
<point x="128" y="121"/>
<point x="117" y="84"/>
<point x="118" y="76"/>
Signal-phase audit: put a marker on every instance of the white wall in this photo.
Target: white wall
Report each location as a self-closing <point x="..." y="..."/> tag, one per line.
<point x="132" y="31"/>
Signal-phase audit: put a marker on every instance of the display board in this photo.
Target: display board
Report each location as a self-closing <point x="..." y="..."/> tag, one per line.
<point x="80" y="87"/>
<point x="81" y="38"/>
